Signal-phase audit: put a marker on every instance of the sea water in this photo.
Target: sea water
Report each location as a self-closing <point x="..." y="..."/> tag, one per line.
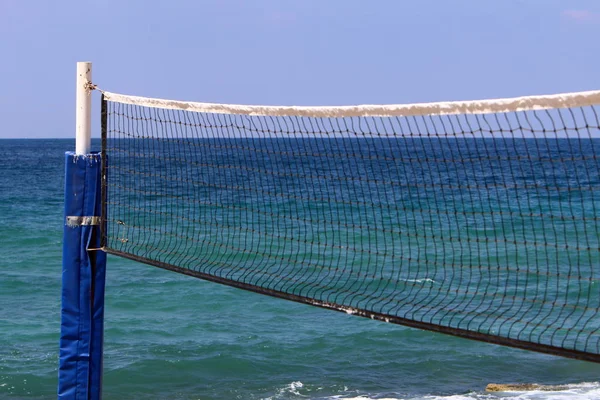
<point x="173" y="337"/>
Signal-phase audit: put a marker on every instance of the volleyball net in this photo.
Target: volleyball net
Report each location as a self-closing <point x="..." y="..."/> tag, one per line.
<point x="477" y="219"/>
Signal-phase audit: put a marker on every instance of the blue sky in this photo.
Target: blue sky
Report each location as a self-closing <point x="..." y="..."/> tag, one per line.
<point x="288" y="52"/>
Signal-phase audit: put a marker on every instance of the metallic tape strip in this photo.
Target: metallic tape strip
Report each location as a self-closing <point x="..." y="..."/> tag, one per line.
<point x="74" y="222"/>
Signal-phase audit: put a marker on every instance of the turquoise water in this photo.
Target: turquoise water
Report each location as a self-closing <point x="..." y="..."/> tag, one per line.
<point x="174" y="337"/>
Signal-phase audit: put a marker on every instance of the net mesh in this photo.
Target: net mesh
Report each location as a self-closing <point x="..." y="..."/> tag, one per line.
<point x="479" y="225"/>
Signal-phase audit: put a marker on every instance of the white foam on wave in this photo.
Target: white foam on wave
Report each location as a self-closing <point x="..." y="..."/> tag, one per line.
<point x="423" y="280"/>
<point x="285" y="391"/>
<point x="580" y="391"/>
<point x="363" y="398"/>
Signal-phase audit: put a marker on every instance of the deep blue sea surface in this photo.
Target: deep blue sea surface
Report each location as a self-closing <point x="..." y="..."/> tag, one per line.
<point x="173" y="337"/>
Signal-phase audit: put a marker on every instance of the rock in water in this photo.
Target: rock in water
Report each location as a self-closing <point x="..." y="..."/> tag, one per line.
<point x="522" y="387"/>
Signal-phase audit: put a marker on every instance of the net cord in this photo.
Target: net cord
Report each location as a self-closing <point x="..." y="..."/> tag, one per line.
<point x="104" y="171"/>
<point x="516" y="104"/>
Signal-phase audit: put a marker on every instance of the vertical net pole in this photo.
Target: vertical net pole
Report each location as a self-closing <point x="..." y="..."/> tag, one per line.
<point x="84" y="266"/>
<point x="83" y="115"/>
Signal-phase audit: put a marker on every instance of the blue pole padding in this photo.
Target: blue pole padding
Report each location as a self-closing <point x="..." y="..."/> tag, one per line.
<point x="83" y="281"/>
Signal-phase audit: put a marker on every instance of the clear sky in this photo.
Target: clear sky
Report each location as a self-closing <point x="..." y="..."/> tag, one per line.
<point x="288" y="52"/>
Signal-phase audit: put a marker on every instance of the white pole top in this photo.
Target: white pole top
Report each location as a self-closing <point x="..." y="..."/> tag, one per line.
<point x="83" y="115"/>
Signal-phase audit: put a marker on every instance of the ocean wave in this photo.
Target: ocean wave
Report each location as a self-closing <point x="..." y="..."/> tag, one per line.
<point x="288" y="391"/>
<point x="579" y="391"/>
